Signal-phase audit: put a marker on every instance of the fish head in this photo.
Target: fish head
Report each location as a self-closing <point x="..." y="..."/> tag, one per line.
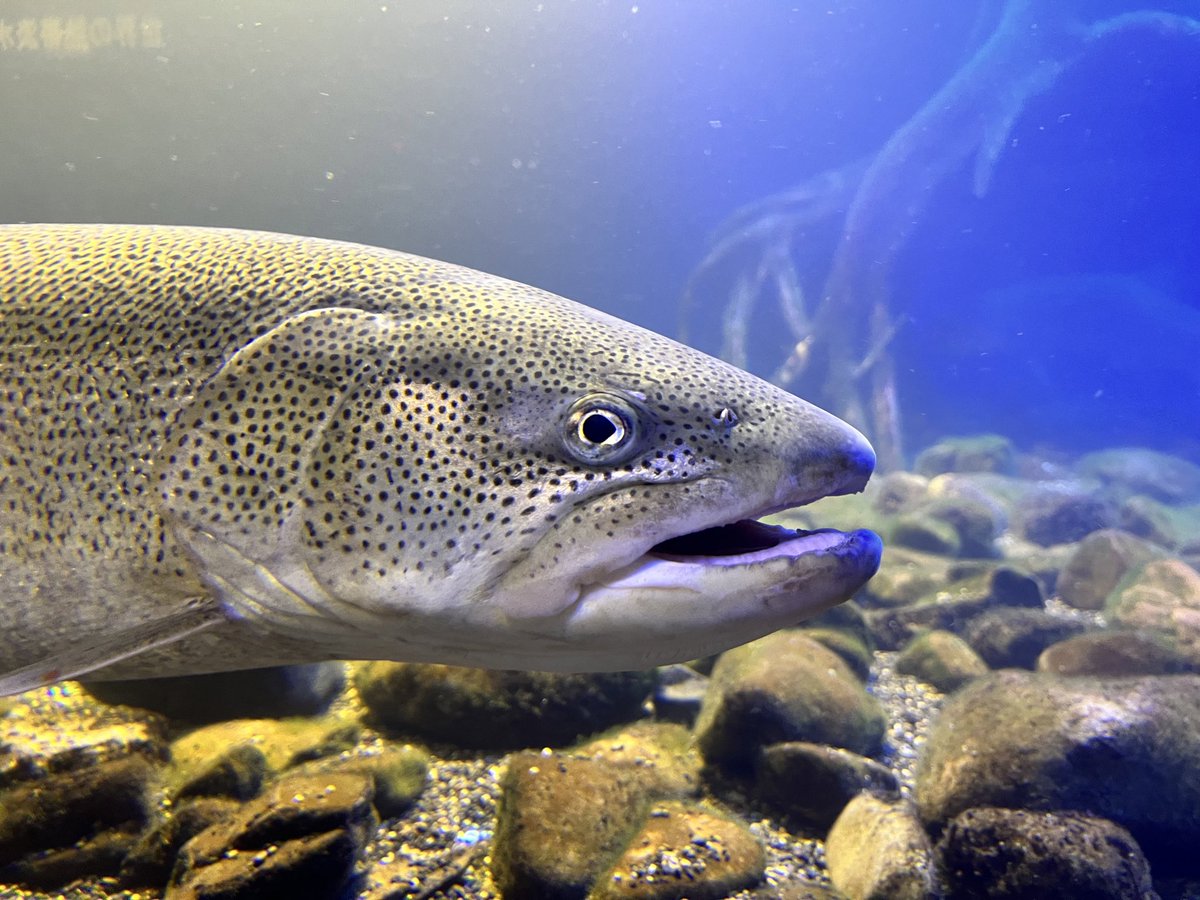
<point x="504" y="478"/>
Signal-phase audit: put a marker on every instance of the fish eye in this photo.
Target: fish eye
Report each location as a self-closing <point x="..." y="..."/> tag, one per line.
<point x="601" y="428"/>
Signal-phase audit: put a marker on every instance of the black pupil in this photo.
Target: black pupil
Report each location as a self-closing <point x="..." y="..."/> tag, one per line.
<point x="597" y="428"/>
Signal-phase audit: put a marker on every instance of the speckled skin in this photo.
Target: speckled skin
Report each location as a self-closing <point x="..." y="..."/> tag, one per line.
<point x="354" y="452"/>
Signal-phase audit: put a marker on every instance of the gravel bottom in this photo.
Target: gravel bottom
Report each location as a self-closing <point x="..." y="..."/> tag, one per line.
<point x="439" y="849"/>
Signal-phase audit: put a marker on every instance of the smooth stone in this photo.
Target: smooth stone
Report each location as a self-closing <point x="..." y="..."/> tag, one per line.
<point x="1115" y="653"/>
<point x="974" y="453"/>
<point x="1125" y="749"/>
<point x="808" y="785"/>
<point x="563" y="820"/>
<point x="1058" y="513"/>
<point x="1011" y="854"/>
<point x="1136" y="470"/>
<point x="785" y="687"/>
<point x="941" y="659"/>
<point x="1163" y="596"/>
<point x="877" y="850"/>
<point x="1016" y="637"/>
<point x="1098" y="563"/>
<point x="684" y="850"/>
<point x="300" y="837"/>
<point x="498" y="710"/>
<point x="951" y="607"/>
<point x="276" y="692"/>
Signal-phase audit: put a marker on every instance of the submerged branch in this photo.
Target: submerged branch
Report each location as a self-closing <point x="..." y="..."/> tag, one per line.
<point x="971" y="116"/>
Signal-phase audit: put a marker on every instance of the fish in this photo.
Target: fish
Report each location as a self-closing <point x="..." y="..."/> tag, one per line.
<point x="223" y="449"/>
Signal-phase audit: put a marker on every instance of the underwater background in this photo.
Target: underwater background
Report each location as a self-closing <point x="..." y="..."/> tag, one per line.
<point x="968" y="227"/>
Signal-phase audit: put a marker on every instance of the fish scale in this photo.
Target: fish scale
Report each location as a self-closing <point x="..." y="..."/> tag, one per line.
<point x="223" y="449"/>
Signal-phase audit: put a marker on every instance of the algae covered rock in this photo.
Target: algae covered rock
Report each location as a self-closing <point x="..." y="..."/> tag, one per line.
<point x="1011" y="853"/>
<point x="1163" y="596"/>
<point x="1097" y="565"/>
<point x="1137" y="470"/>
<point x="941" y="659"/>
<point x="684" y="850"/>
<point x="1016" y="637"/>
<point x="877" y="850"/>
<point x="273" y="692"/>
<point x="785" y="687"/>
<point x="975" y="453"/>
<point x="808" y="785"/>
<point x="1116" y="653"/>
<point x="563" y="820"/>
<point x="498" y="710"/>
<point x="1125" y="749"/>
<point x="1059" y="513"/>
<point x="301" y="838"/>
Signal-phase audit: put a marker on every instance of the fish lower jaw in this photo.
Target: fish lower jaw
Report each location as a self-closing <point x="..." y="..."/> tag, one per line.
<point x="669" y="607"/>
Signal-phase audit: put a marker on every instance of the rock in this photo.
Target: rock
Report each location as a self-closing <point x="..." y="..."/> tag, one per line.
<point x="904" y="577"/>
<point x="1016" y="637"/>
<point x="1150" y="520"/>
<point x="877" y="850"/>
<point x="795" y="889"/>
<point x="663" y="752"/>
<point x="237" y="773"/>
<point x="498" y="710"/>
<point x="897" y="492"/>
<point x="64" y="730"/>
<point x="977" y="453"/>
<point x="563" y="820"/>
<point x="398" y="773"/>
<point x="276" y="692"/>
<point x="785" y="687"/>
<point x="1163" y="596"/>
<point x="1114" y="654"/>
<point x="942" y="659"/>
<point x="684" y="850"/>
<point x="1135" y="470"/>
<point x="853" y="650"/>
<point x="809" y="785"/>
<point x="282" y="742"/>
<point x="951" y="607"/>
<point x="150" y="860"/>
<point x="61" y="808"/>
<point x="1125" y="749"/>
<point x="1011" y="853"/>
<point x="977" y="524"/>
<point x="301" y="837"/>
<point x="1097" y="565"/>
<point x="98" y="855"/>
<point x="679" y="693"/>
<point x="926" y="533"/>
<point x="1059" y="513"/>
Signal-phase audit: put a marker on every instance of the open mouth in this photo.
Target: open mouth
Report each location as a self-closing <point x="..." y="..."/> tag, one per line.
<point x="745" y="541"/>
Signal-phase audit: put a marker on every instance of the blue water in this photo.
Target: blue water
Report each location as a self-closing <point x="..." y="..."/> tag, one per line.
<point x="594" y="148"/>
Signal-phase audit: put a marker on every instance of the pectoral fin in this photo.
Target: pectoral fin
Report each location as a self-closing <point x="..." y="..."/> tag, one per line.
<point x="90" y="655"/>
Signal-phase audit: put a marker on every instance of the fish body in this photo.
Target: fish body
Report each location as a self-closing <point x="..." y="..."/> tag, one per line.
<point x="223" y="449"/>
